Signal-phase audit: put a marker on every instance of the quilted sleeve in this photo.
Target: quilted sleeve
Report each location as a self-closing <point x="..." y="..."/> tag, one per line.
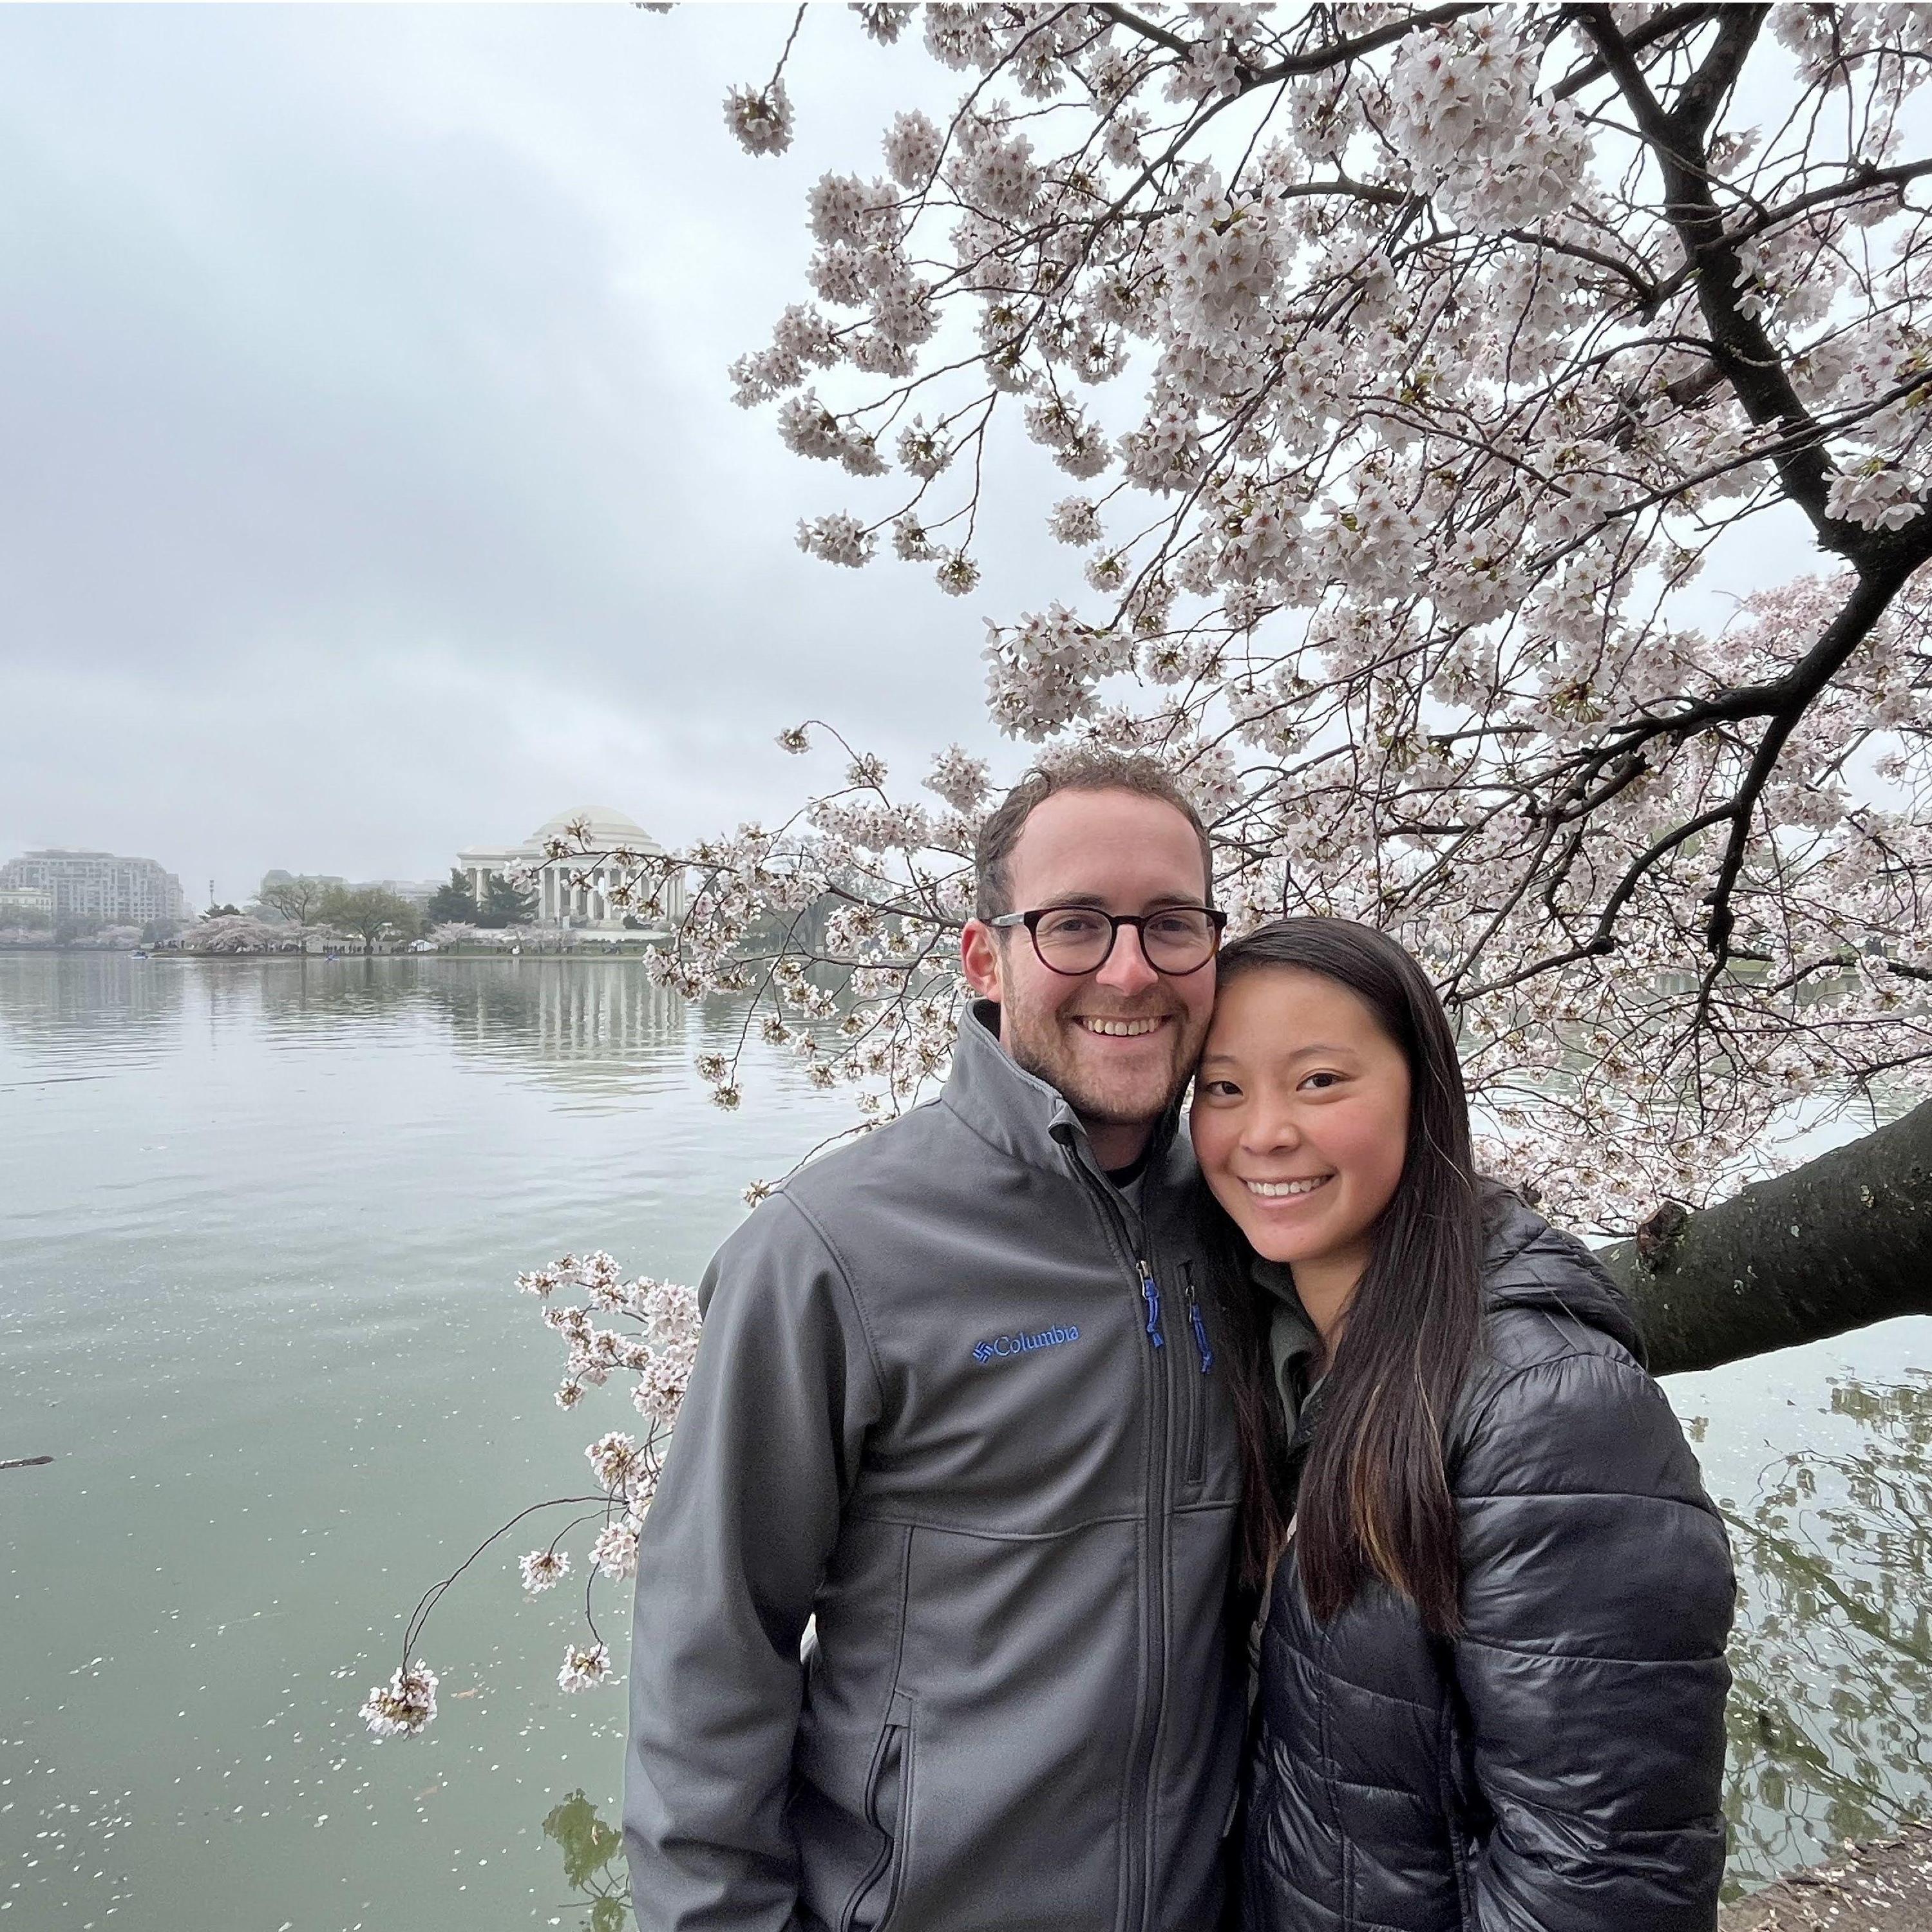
<point x="1597" y="1598"/>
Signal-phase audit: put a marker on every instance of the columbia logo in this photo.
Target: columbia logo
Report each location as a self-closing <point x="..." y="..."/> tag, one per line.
<point x="1001" y="1346"/>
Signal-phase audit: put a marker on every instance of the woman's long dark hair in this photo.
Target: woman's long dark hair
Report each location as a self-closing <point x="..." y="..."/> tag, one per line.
<point x="1374" y="1498"/>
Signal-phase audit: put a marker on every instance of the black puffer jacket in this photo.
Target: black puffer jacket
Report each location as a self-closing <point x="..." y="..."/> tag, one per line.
<point x="1558" y="1767"/>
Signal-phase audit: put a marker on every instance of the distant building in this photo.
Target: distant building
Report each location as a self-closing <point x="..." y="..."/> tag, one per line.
<point x="418" y="891"/>
<point x="99" y="885"/>
<point x="560" y="902"/>
<point x="15" y="900"/>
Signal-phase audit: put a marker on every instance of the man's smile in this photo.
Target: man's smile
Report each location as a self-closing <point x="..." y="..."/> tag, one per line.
<point x="1107" y="1027"/>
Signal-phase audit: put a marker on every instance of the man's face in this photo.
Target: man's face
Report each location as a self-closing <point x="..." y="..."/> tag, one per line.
<point x="1121" y="853"/>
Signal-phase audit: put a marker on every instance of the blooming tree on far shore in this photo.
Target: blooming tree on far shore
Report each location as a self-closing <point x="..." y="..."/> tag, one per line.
<point x="238" y="932"/>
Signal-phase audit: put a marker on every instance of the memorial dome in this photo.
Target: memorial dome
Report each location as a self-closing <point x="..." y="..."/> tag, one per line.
<point x="609" y="829"/>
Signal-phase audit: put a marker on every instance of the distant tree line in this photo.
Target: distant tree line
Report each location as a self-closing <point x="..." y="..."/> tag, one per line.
<point x="370" y="913"/>
<point x="502" y="903"/>
<point x="374" y="912"/>
<point x="65" y="928"/>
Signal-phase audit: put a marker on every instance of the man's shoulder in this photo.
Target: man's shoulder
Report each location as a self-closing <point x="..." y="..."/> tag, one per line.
<point x="886" y="1190"/>
<point x="923" y="1147"/>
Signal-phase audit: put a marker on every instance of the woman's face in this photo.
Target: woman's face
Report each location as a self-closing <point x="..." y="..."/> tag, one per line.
<point x="1300" y="1117"/>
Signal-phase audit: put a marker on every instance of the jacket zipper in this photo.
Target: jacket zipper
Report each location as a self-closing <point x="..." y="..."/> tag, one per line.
<point x="1150" y="1294"/>
<point x="1160" y="1430"/>
<point x="1197" y="1388"/>
<point x="1139" y="1829"/>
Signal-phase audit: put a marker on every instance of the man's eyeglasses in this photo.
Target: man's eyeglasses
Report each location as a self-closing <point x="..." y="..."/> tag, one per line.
<point x="1175" y="941"/>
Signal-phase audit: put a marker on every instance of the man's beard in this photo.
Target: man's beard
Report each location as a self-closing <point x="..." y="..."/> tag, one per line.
<point x="1041" y="1046"/>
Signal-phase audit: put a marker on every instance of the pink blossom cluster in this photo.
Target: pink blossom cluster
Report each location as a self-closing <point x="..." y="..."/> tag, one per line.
<point x="656" y="1342"/>
<point x="405" y="1706"/>
<point x="1471" y="120"/>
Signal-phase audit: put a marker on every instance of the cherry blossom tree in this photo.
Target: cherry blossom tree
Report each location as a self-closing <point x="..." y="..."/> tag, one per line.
<point x="236" y="932"/>
<point x="1417" y="372"/>
<point x="1414" y="364"/>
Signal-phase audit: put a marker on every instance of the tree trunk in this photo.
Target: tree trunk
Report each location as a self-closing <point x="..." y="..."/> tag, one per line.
<point x="1841" y="1243"/>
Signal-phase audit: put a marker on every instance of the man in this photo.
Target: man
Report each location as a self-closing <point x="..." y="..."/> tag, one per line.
<point x="955" y="1408"/>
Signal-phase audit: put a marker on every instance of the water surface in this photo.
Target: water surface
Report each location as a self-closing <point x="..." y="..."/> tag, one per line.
<point x="259" y="1225"/>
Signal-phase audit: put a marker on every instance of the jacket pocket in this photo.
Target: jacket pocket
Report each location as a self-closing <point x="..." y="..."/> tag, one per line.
<point x="888" y="1796"/>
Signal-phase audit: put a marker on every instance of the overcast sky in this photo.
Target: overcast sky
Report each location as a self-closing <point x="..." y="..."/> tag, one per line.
<point x="372" y="484"/>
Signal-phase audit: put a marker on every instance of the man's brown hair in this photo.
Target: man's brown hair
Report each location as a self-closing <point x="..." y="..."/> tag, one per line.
<point x="1077" y="771"/>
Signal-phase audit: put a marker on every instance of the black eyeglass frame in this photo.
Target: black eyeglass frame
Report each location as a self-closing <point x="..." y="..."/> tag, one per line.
<point x="1217" y="919"/>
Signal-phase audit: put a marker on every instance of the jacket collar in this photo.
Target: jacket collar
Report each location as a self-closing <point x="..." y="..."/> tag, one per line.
<point x="1526" y="1264"/>
<point x="1019" y="1114"/>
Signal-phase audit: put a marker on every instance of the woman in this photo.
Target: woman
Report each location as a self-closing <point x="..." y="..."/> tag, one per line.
<point x="1491" y="1676"/>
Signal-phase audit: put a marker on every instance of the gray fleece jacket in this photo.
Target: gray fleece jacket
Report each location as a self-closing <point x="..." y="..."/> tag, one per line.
<point x="955" y="1412"/>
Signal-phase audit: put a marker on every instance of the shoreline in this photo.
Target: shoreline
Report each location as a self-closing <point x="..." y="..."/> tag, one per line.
<point x="1881" y="1885"/>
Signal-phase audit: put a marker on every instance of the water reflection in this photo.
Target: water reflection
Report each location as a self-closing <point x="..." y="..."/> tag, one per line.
<point x="1831" y="1720"/>
<point x="60" y="1012"/>
<point x="590" y="1024"/>
<point x="594" y="1026"/>
<point x="593" y="1863"/>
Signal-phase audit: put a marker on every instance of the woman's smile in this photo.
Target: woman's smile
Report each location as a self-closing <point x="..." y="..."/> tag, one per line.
<point x="1286" y="1190"/>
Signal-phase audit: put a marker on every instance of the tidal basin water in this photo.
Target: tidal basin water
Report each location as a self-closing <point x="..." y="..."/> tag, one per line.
<point x="259" y="1222"/>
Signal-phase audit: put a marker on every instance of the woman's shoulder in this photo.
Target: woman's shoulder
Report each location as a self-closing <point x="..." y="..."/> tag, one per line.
<point x="1561" y="1357"/>
<point x="1546" y="1295"/>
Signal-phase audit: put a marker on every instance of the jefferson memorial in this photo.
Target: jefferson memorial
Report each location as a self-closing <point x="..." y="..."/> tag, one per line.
<point x="564" y="896"/>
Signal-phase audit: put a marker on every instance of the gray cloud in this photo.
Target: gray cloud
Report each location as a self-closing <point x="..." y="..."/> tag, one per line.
<point x="372" y="484"/>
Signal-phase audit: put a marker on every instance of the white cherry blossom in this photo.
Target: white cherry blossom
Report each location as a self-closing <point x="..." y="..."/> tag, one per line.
<point x="403" y="1706"/>
<point x="544" y="1569"/>
<point x="761" y="119"/>
<point x="585" y="1666"/>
